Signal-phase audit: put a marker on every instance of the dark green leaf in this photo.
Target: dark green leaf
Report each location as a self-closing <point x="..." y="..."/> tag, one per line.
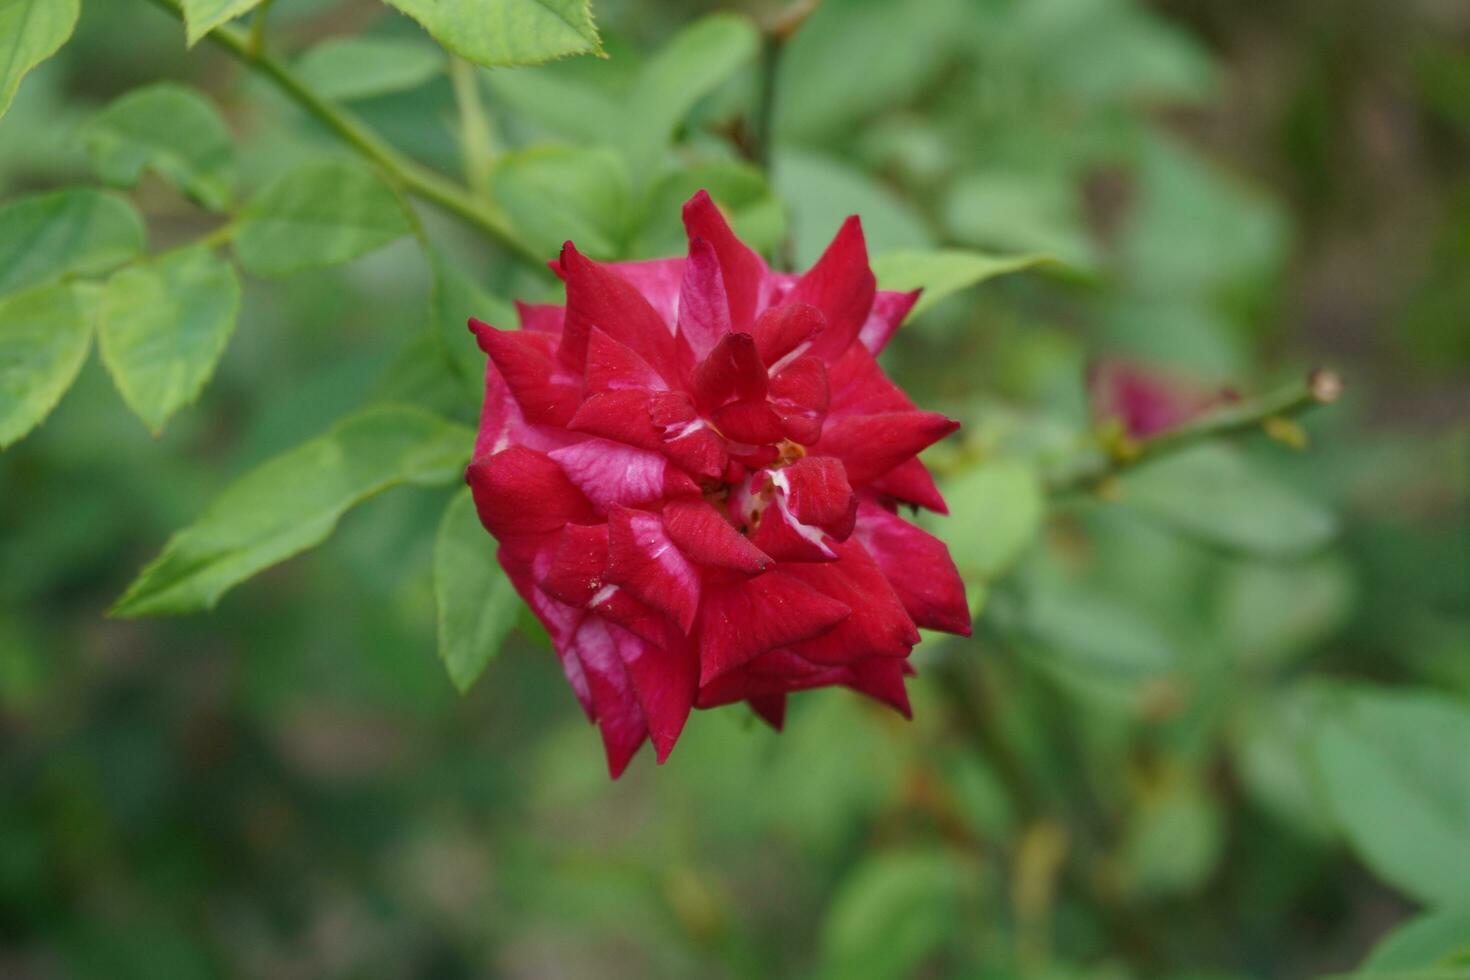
<point x="172" y="130"/>
<point x="30" y="32"/>
<point x="44" y="333"/>
<point x="363" y="67"/>
<point x="477" y="604"/>
<point x="203" y="16"/>
<point x="1394" y="770"/>
<point x="891" y="913"/>
<point x="162" y="326"/>
<point x="80" y="231"/>
<point x="508" y="32"/>
<point x="320" y="214"/>
<point x="944" y="271"/>
<point x="293" y="502"/>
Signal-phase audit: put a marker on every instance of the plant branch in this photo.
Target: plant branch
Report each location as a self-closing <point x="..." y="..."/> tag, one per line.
<point x="257" y="28"/>
<point x="476" y="142"/>
<point x="1320" y="387"/>
<point x="412" y="176"/>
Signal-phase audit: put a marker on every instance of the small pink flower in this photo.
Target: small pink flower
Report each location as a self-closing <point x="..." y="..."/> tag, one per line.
<point x="1146" y="399"/>
<point x="694" y="469"/>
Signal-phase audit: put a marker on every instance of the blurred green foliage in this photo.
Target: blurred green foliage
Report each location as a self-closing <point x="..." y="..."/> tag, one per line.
<point x="1215" y="721"/>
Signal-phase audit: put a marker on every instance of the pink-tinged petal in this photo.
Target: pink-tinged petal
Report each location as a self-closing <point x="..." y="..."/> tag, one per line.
<point x="744" y="273"/>
<point x="499" y="414"/>
<point x="704" y="309"/>
<point x="707" y="538"/>
<point x="752" y="422"/>
<point x="599" y="297"/>
<point x="919" y="568"/>
<point x="878" y="626"/>
<point x="614" y="366"/>
<point x="541" y="317"/>
<point x="799" y="395"/>
<point x="619" y="715"/>
<point x="643" y="560"/>
<point x="561" y="622"/>
<point x="609" y="473"/>
<point x="786" y="539"/>
<point x="1147" y="398"/>
<point x="859" y="386"/>
<point x="785" y="332"/>
<point x="771" y="708"/>
<point x="871" y="445"/>
<point x="579" y="565"/>
<point x="621" y="416"/>
<point x="818" y="494"/>
<point x="771" y="673"/>
<point x="881" y="678"/>
<point x="742" y="618"/>
<point x="546" y="394"/>
<point x="658" y="280"/>
<point x="687" y="439"/>
<point x="664" y="681"/>
<point x="521" y="491"/>
<point x="909" y="482"/>
<point x="889" y="309"/>
<point x="732" y="370"/>
<point x="841" y="285"/>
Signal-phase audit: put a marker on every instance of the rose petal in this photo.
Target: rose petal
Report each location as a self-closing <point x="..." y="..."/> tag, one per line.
<point x="742" y="618"/>
<point x="841" y="285"/>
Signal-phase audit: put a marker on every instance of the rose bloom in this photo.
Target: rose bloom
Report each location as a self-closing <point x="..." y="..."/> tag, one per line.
<point x="694" y="470"/>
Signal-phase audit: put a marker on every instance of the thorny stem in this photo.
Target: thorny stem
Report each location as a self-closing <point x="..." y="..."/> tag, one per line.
<point x="411" y="176"/>
<point x="1090" y="471"/>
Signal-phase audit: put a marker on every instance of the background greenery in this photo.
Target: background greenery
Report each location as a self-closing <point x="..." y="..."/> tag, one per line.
<point x="1215" y="722"/>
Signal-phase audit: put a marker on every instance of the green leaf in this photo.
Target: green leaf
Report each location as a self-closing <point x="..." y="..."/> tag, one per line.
<point x="556" y="193"/>
<point x="1173" y="838"/>
<point x="162" y="326"/>
<point x="1215" y="494"/>
<point x="477" y="604"/>
<point x="363" y="67"/>
<point x="293" y="502"/>
<point x="1271" y="614"/>
<point x="508" y="32"/>
<point x="44" y="333"/>
<point x="944" y="271"/>
<point x="995" y="514"/>
<point x="30" y="32"/>
<point x="691" y="65"/>
<point x="742" y="193"/>
<point x="1434" y="940"/>
<point x="455" y="298"/>
<point x="80" y="231"/>
<point x="1394" y="772"/>
<point x="172" y="130"/>
<point x="203" y="16"/>
<point x="891" y="913"/>
<point x="322" y="213"/>
<point x="1027" y="213"/>
<point x="823" y="191"/>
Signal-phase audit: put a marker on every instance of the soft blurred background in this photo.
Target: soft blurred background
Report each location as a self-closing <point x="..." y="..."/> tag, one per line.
<point x="1119" y="776"/>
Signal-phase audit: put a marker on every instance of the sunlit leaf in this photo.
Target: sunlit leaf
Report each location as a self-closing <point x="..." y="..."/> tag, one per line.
<point x="162" y="326"/>
<point x="169" y="129"/>
<point x="322" y="213"/>
<point x="556" y="193"/>
<point x="292" y="502"/>
<point x="477" y="604"/>
<point x="507" y="32"/>
<point x="942" y="272"/>
<point x="80" y="231"/>
<point x="44" y="333"/>
<point x="30" y="32"/>
<point x="363" y="67"/>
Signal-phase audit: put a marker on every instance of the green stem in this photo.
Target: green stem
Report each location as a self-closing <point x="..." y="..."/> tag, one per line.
<point x="475" y="138"/>
<point x="413" y="177"/>
<point x="1089" y="471"/>
<point x="257" y="28"/>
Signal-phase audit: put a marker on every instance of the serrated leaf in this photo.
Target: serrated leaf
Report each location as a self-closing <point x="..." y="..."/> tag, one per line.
<point x="941" y="272"/>
<point x="556" y="193"/>
<point x="293" y="502"/>
<point x="364" y="67"/>
<point x="1394" y="773"/>
<point x="322" y="213"/>
<point x="30" y="32"/>
<point x="507" y="32"/>
<point x="203" y="16"/>
<point x="1215" y="494"/>
<point x="455" y="298"/>
<point x="44" y="333"/>
<point x="162" y="326"/>
<point x="171" y="130"/>
<point x="476" y="603"/>
<point x="79" y="231"/>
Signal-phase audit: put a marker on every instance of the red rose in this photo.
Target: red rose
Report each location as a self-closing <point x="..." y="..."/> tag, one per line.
<point x="693" y="469"/>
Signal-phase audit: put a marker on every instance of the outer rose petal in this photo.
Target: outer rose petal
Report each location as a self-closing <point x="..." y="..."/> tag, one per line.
<point x="643" y="559"/>
<point x="610" y="473"/>
<point x="578" y="565"/>
<point x="744" y="273"/>
<point x="664" y="682"/>
<point x="859" y="386"/>
<point x="561" y="622"/>
<point x="521" y="491"/>
<point x="889" y="309"/>
<point x="910" y="483"/>
<point x="871" y="445"/>
<point x="619" y="715"/>
<point x="545" y="394"/>
<point x="707" y="538"/>
<point x="919" y="568"/>
<point x="599" y="297"/>
<point x="841" y="285"/>
<point x="704" y="309"/>
<point x="878" y="626"/>
<point x="658" y="280"/>
<point x="613" y="366"/>
<point x="771" y="708"/>
<point x="881" y="678"/>
<point x="541" y="317"/>
<point x="742" y="618"/>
